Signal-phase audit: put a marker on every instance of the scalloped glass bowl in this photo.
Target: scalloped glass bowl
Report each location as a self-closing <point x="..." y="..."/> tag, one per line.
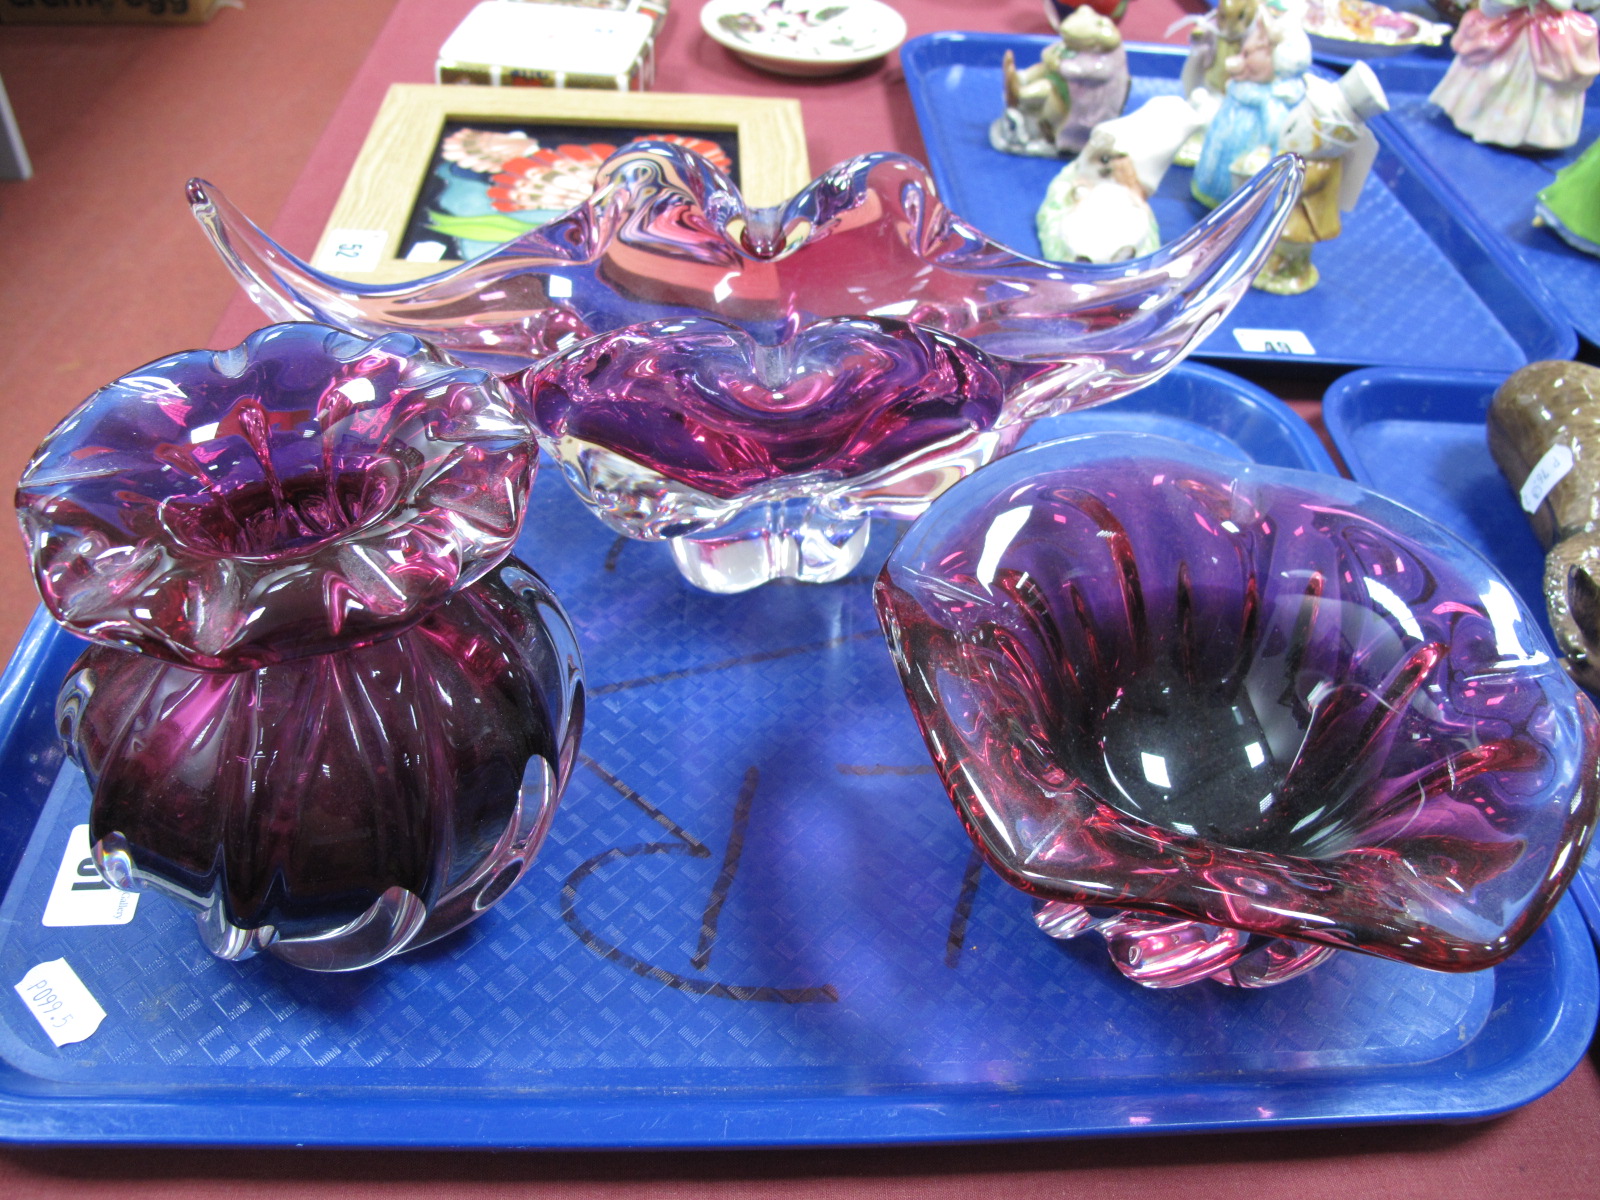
<point x="304" y="491"/>
<point x="1234" y="717"/>
<point x="760" y="461"/>
<point x="864" y="274"/>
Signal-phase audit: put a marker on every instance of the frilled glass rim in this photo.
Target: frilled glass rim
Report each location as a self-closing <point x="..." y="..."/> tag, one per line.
<point x="1352" y="878"/>
<point x="120" y="572"/>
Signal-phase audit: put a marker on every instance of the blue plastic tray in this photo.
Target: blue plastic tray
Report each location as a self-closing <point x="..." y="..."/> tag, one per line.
<point x="1497" y="187"/>
<point x="1419" y="437"/>
<point x="1411" y="282"/>
<point x="757" y="921"/>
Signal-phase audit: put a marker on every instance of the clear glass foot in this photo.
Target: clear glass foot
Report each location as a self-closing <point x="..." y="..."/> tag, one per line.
<point x="792" y="539"/>
<point x="1162" y="952"/>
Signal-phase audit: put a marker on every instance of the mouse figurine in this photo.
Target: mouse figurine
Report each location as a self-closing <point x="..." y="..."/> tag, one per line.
<point x="1266" y="80"/>
<point x="1328" y="129"/>
<point x="1078" y="82"/>
<point x="1098" y="207"/>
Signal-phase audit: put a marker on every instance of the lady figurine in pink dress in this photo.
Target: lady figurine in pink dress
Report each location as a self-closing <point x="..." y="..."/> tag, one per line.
<point x="1520" y="72"/>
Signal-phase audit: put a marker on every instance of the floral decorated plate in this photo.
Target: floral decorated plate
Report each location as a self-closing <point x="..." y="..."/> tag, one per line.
<point x="804" y="37"/>
<point x="1363" y="29"/>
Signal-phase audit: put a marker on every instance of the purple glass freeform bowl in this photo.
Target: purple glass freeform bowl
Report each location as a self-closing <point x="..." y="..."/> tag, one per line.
<point x="1232" y="715"/>
<point x="753" y="385"/>
<point x="667" y="235"/>
<point x="306" y="491"/>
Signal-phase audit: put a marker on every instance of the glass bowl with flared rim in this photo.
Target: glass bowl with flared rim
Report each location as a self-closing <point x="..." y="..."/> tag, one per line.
<point x="1177" y="694"/>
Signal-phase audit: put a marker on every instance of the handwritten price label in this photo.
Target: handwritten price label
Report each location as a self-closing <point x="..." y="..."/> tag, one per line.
<point x="1274" y="341"/>
<point x="1551" y="469"/>
<point x="60" y="1003"/>
<point x="351" y="251"/>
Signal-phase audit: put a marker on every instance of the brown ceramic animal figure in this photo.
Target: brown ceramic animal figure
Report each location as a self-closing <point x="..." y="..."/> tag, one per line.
<point x="1544" y="432"/>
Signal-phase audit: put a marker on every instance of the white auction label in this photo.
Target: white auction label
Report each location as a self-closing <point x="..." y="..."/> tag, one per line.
<point x="60" y="1003"/>
<point x="426" y="252"/>
<point x="1550" y="470"/>
<point x="79" y="896"/>
<point x="1274" y="341"/>
<point x="351" y="251"/>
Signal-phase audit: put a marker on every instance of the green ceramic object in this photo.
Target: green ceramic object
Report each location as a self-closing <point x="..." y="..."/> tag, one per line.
<point x="1571" y="205"/>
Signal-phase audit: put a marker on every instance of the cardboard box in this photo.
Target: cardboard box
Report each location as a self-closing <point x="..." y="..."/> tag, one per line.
<point x="103" y="12"/>
<point x="507" y="43"/>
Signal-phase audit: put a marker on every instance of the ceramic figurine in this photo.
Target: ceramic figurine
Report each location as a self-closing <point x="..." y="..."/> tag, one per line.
<point x="1327" y="129"/>
<point x="1520" y="72"/>
<point x="1214" y="38"/>
<point x="1057" y="11"/>
<point x="1266" y="80"/>
<point x="1097" y="208"/>
<point x="1544" y="432"/>
<point x="1077" y="83"/>
<point x="1571" y="205"/>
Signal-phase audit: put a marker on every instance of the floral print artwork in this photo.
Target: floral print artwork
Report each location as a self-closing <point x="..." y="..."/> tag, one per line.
<point x="489" y="186"/>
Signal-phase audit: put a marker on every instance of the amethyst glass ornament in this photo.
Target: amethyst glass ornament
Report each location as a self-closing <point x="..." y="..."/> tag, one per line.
<point x="339" y="808"/>
<point x="304" y="491"/>
<point x="1234" y="717"/>
<point x="343" y="728"/>
<point x="759" y="461"/>
<point x="864" y="278"/>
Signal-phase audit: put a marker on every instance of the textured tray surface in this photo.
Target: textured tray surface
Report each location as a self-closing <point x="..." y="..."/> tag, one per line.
<point x="757" y="920"/>
<point x="1404" y="284"/>
<point x="1419" y="437"/>
<point x="1499" y="186"/>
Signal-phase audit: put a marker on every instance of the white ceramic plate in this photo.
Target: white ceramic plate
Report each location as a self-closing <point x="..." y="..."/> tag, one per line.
<point x="804" y="37"/>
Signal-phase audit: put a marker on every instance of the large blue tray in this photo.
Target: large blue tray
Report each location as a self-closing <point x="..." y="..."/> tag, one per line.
<point x="1411" y="281"/>
<point x="1419" y="437"/>
<point x="757" y="921"/>
<point x="1498" y="187"/>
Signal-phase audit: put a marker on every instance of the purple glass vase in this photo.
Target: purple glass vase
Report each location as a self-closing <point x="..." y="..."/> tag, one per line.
<point x="319" y="712"/>
<point x="1235" y="717"/>
<point x="847" y="309"/>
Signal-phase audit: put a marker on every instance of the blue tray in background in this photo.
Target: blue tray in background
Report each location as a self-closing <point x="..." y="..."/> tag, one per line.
<point x="1410" y="282"/>
<point x="757" y="921"/>
<point x="1419" y="437"/>
<point x="1498" y="187"/>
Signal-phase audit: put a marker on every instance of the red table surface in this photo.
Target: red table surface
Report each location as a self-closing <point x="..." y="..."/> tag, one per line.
<point x="1550" y="1149"/>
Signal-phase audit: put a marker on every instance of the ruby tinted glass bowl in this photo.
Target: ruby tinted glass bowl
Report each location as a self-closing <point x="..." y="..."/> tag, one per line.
<point x="339" y="808"/>
<point x="673" y="427"/>
<point x="804" y="345"/>
<point x="1211" y="694"/>
<point x="305" y="491"/>
<point x="667" y="235"/>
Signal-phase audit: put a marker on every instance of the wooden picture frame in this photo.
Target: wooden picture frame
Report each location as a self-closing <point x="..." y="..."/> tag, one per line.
<point x="362" y="239"/>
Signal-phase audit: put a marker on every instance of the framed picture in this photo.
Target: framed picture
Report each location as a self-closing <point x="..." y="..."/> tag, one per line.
<point x="447" y="173"/>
